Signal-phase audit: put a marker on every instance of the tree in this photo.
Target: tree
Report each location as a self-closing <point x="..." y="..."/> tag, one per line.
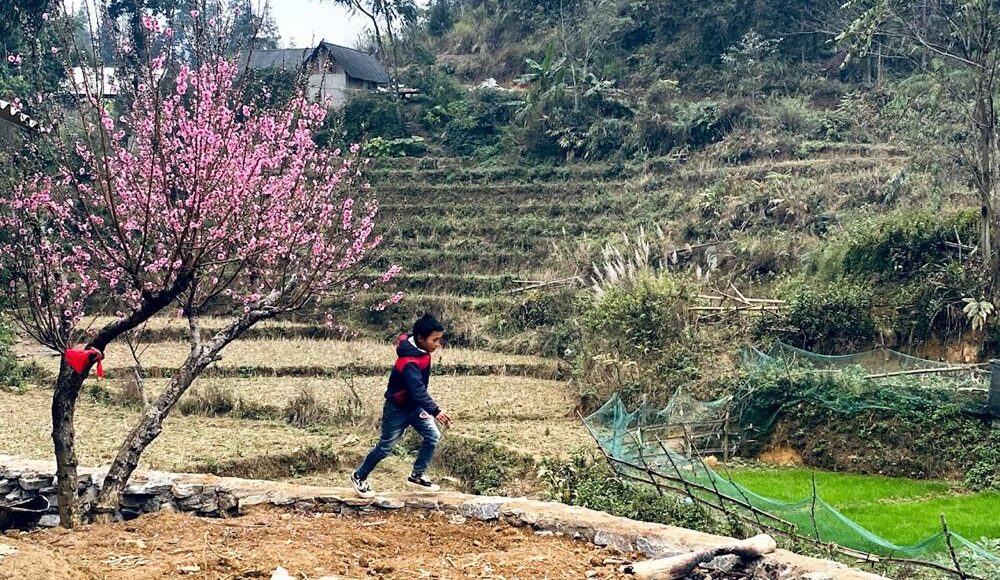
<point x="963" y="35"/>
<point x="189" y="197"/>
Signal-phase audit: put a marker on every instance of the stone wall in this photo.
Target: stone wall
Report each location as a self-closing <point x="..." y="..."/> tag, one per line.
<point x="212" y="496"/>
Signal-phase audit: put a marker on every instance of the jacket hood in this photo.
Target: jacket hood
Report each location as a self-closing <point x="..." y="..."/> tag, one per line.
<point x="406" y="348"/>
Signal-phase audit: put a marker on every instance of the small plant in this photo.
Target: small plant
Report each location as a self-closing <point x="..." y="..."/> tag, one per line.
<point x="978" y="311"/>
<point x="306" y="409"/>
<point x="211" y="401"/>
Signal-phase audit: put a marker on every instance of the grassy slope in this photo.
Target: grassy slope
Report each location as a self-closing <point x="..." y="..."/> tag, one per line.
<point x="901" y="510"/>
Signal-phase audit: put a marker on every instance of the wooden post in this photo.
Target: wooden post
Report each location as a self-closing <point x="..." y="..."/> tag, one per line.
<point x="993" y="401"/>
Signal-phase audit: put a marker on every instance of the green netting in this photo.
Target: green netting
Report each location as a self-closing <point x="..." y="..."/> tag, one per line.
<point x="872" y="362"/>
<point x="640" y="441"/>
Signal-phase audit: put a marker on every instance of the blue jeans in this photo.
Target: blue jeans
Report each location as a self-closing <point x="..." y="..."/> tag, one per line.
<point x="394" y="422"/>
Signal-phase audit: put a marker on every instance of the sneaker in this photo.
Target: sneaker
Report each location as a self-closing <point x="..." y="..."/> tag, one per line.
<point x="361" y="487"/>
<point x="421" y="482"/>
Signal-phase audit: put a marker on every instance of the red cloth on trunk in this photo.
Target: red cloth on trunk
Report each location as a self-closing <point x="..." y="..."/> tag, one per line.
<point x="79" y="359"/>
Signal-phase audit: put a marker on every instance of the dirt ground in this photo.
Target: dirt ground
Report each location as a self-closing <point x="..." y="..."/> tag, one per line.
<point x="309" y="546"/>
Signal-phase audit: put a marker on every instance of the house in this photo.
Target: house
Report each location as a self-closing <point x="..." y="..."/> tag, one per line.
<point x="334" y="72"/>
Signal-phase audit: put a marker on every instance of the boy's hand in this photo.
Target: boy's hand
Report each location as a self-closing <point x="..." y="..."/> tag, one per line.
<point x="444" y="419"/>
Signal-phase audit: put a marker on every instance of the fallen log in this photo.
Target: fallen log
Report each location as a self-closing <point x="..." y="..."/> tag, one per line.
<point x="682" y="564"/>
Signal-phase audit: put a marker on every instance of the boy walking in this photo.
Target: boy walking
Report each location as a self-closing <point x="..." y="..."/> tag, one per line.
<point x="408" y="404"/>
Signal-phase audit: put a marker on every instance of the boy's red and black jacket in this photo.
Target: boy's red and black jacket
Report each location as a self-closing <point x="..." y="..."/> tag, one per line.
<point x="409" y="378"/>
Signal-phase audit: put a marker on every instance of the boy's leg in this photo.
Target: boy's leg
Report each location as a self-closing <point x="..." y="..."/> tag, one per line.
<point x="424" y="424"/>
<point x="394" y="421"/>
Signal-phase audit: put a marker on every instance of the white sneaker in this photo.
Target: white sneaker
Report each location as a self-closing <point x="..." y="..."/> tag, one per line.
<point x="361" y="487"/>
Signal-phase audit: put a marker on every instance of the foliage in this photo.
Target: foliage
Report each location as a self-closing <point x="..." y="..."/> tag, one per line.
<point x="583" y="482"/>
<point x="636" y="339"/>
<point x="984" y="472"/>
<point x="896" y="246"/>
<point x="12" y="375"/>
<point x="747" y="64"/>
<point x="685" y="124"/>
<point x="367" y="116"/>
<point x="829" y="317"/>
<point x="482" y="466"/>
<point x="543" y="319"/>
<point x="402" y="147"/>
<point x="840" y="421"/>
<point x="306" y="409"/>
<point x="474" y="123"/>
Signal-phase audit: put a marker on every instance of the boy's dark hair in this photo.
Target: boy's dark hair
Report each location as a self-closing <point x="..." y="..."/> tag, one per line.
<point x="426" y="325"/>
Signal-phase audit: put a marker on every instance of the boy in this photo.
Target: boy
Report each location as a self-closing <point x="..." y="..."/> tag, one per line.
<point x="407" y="403"/>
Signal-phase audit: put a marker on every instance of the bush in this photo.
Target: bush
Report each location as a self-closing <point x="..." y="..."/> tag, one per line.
<point x="482" y="466"/>
<point x="636" y="339"/>
<point x="210" y="401"/>
<point x="896" y="246"/>
<point x="306" y="409"/>
<point x="367" y="116"/>
<point x="539" y="322"/>
<point x="583" y="482"/>
<point x="985" y="470"/>
<point x="842" y="422"/>
<point x="829" y="317"/>
<point x="12" y="375"/>
<point x="472" y="123"/>
<point x="692" y="124"/>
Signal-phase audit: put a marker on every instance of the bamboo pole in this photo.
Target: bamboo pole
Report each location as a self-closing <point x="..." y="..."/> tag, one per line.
<point x="950" y="369"/>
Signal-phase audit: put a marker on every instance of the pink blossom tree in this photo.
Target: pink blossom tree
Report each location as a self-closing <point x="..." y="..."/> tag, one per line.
<point x="189" y="198"/>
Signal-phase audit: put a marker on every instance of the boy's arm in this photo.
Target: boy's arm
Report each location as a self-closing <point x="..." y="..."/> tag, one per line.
<point x="415" y="386"/>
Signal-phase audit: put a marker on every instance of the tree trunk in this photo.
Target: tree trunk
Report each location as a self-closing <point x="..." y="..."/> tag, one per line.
<point x="63" y="438"/>
<point x="146" y="430"/>
<point x="984" y="169"/>
<point x="150" y="424"/>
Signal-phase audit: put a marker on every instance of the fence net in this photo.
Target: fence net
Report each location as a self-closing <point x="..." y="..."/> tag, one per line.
<point x="877" y="361"/>
<point x="643" y="445"/>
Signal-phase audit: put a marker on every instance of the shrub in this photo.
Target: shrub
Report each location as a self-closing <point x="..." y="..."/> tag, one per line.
<point x="636" y="338"/>
<point x="306" y="409"/>
<point x="692" y="124"/>
<point x="840" y="421"/>
<point x="482" y="466"/>
<point x="985" y="470"/>
<point x="896" y="246"/>
<point x="367" y="116"/>
<point x="12" y="375"/>
<point x="583" y="482"/>
<point x="795" y="116"/>
<point x="540" y="321"/>
<point x="211" y="401"/>
<point x="830" y="317"/>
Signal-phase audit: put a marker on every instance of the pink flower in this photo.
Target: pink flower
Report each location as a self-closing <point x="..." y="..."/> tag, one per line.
<point x="45" y="15"/>
<point x="195" y="13"/>
<point x="55" y="50"/>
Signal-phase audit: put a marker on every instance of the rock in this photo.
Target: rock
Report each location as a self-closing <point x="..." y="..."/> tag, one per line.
<point x="591" y="574"/>
<point x="725" y="564"/>
<point x="189" y="569"/>
<point x="6" y="550"/>
<point x="482" y="510"/>
<point x="35" y="481"/>
<point x="817" y="576"/>
<point x="280" y="573"/>
<point x="389" y="504"/>
<point x="48" y="521"/>
<point x="456" y="519"/>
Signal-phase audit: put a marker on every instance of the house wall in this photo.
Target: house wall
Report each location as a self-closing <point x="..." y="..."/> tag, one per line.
<point x="329" y="80"/>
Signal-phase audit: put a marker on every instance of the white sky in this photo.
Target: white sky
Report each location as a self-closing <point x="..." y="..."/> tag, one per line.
<point x="306" y="22"/>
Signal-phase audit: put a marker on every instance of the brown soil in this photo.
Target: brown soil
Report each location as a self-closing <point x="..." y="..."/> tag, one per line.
<point x="387" y="545"/>
<point x="782" y="455"/>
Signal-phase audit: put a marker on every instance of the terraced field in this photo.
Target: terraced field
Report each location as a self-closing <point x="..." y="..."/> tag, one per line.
<point x="466" y="237"/>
